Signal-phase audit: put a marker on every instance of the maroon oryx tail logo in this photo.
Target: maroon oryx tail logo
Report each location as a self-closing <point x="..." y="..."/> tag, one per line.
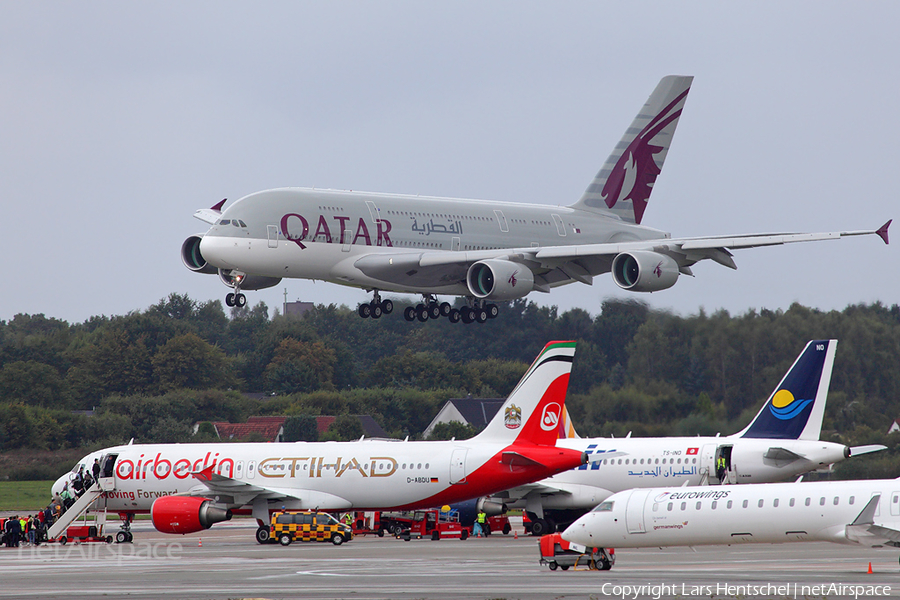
<point x="658" y="270"/>
<point x="512" y="278"/>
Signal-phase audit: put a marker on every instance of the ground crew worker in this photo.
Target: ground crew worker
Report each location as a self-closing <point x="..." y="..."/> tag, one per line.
<point x="720" y="468"/>
<point x="480" y="521"/>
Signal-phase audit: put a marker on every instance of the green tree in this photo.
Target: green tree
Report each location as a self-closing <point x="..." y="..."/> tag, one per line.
<point x="186" y="361"/>
<point x="452" y="430"/>
<point x="300" y="428"/>
<point x="345" y="428"/>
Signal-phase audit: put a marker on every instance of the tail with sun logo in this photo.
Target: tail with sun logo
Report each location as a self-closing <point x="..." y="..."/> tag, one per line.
<point x="796" y="407"/>
<point x="533" y="411"/>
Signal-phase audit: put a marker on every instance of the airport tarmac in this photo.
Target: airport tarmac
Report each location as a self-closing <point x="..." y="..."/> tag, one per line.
<point x="230" y="564"/>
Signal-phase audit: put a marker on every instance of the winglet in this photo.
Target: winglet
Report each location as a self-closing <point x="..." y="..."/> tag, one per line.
<point x="206" y="474"/>
<point x="867" y="516"/>
<point x="218" y="205"/>
<point x="883" y="231"/>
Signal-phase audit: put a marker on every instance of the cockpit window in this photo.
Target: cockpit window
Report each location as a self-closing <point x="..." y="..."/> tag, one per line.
<point x="243" y="224"/>
<point x="225" y="222"/>
<point x="75" y="468"/>
<point x="235" y="223"/>
<point x="604" y="507"/>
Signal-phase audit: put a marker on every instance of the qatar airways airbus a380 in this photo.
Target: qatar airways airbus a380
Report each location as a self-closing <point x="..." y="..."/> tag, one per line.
<point x="480" y="250"/>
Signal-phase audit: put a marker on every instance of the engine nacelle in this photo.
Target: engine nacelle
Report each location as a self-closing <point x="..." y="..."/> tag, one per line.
<point x="185" y="514"/>
<point x="499" y="280"/>
<point x="644" y="271"/>
<point x="247" y="282"/>
<point x="191" y="257"/>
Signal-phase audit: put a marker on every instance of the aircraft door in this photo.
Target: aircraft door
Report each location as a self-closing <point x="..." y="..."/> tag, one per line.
<point x="272" y="233"/>
<point x="458" y="466"/>
<point x="373" y="211"/>
<point x="895" y="504"/>
<point x="454" y="244"/>
<point x="560" y="228"/>
<point x="108" y="464"/>
<point x="708" y="462"/>
<point x="346" y="238"/>
<point x="727" y="472"/>
<point x="634" y="511"/>
<point x="501" y="220"/>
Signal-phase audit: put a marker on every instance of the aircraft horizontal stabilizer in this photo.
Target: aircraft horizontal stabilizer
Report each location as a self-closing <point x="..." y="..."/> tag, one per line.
<point x="514" y="459"/>
<point x="857" y="450"/>
<point x="886" y="533"/>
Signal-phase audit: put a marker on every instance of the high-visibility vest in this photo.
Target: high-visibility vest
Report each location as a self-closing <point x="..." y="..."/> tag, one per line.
<point x="481" y="517"/>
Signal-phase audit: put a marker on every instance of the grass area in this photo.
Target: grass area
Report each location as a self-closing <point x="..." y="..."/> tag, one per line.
<point x="24" y="495"/>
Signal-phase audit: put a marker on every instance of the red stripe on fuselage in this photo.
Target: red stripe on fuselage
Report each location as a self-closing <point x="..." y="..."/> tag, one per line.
<point x="494" y="476"/>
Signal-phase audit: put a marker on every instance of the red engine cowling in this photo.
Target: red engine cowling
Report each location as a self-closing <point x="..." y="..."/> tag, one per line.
<point x="186" y="514"/>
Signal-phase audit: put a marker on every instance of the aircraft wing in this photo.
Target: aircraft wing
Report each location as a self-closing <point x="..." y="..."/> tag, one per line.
<point x="558" y="265"/>
<point x="238" y="493"/>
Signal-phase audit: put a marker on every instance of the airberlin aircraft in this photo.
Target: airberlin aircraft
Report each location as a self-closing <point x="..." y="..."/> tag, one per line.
<point x="189" y="487"/>
<point x="865" y="513"/>
<point x="781" y="443"/>
<point x="480" y="250"/>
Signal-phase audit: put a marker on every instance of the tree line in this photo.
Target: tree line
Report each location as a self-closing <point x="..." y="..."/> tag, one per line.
<point x="152" y="374"/>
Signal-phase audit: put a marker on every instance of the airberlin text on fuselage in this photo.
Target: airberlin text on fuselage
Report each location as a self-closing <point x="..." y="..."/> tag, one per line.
<point x="159" y="467"/>
<point x="295" y="228"/>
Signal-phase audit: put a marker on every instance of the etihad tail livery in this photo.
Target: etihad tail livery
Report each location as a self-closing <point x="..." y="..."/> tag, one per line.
<point x="779" y="444"/>
<point x="189" y="487"/>
<point x="866" y="513"/>
<point x="483" y="251"/>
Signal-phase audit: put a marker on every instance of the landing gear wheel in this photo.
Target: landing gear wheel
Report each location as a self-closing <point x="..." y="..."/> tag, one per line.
<point x="376" y="311"/>
<point x="422" y="313"/>
<point x="284" y="539"/>
<point x="492" y="310"/>
<point x="409" y="313"/>
<point x="466" y="313"/>
<point x="454" y="316"/>
<point x="445" y="309"/>
<point x="364" y="310"/>
<point x="387" y="306"/>
<point x="240" y="300"/>
<point x="481" y="315"/>
<point x="434" y="310"/>
<point x="229" y="299"/>
<point x="262" y="535"/>
<point x="540" y="527"/>
<point x="337" y="539"/>
<point x="121" y="537"/>
<point x="553" y="566"/>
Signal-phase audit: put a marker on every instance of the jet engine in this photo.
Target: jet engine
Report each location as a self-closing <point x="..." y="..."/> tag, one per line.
<point x="247" y="282"/>
<point x="644" y="271"/>
<point x="499" y="280"/>
<point x="185" y="514"/>
<point x="191" y="257"/>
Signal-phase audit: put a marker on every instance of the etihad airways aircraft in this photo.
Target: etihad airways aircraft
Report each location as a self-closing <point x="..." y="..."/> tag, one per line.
<point x="189" y="487"/>
<point x="865" y="513"/>
<point x="480" y="250"/>
<point x="780" y="443"/>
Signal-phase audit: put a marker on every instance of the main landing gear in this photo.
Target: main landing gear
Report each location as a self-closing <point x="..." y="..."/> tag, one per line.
<point x="475" y="311"/>
<point x="376" y="307"/>
<point x="124" y="535"/>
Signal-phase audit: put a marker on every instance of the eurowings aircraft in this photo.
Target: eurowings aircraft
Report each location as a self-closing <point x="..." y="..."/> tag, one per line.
<point x="863" y="513"/>
<point x="480" y="250"/>
<point x="189" y="487"/>
<point x="780" y="443"/>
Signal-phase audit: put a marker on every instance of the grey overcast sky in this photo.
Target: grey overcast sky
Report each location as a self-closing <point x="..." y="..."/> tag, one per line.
<point x="119" y="119"/>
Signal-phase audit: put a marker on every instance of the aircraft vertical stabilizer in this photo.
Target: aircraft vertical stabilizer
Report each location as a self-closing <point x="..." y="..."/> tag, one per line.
<point x="625" y="182"/>
<point x="796" y="407"/>
<point x="533" y="411"/>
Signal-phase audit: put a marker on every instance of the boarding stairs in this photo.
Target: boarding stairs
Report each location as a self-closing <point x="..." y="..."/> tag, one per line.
<point x="81" y="505"/>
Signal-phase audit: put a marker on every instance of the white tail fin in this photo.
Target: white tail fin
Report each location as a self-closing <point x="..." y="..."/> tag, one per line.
<point x="533" y="411"/>
<point x="624" y="183"/>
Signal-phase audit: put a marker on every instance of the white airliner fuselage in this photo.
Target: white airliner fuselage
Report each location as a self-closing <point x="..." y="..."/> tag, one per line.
<point x="843" y="512"/>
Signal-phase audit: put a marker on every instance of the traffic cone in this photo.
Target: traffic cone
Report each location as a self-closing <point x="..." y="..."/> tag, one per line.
<point x="199" y="542"/>
<point x="516" y="535"/>
<point x="870" y="568"/>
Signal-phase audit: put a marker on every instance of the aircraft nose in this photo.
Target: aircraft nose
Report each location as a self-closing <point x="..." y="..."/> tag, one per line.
<point x="57" y="486"/>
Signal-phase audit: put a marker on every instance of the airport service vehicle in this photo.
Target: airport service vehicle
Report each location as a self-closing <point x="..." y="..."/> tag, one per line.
<point x="865" y="513"/>
<point x="189" y="487"/>
<point x="306" y="526"/>
<point x="480" y="250"/>
<point x="559" y="553"/>
<point x="435" y="524"/>
<point x="780" y="443"/>
<point x="84" y="534"/>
